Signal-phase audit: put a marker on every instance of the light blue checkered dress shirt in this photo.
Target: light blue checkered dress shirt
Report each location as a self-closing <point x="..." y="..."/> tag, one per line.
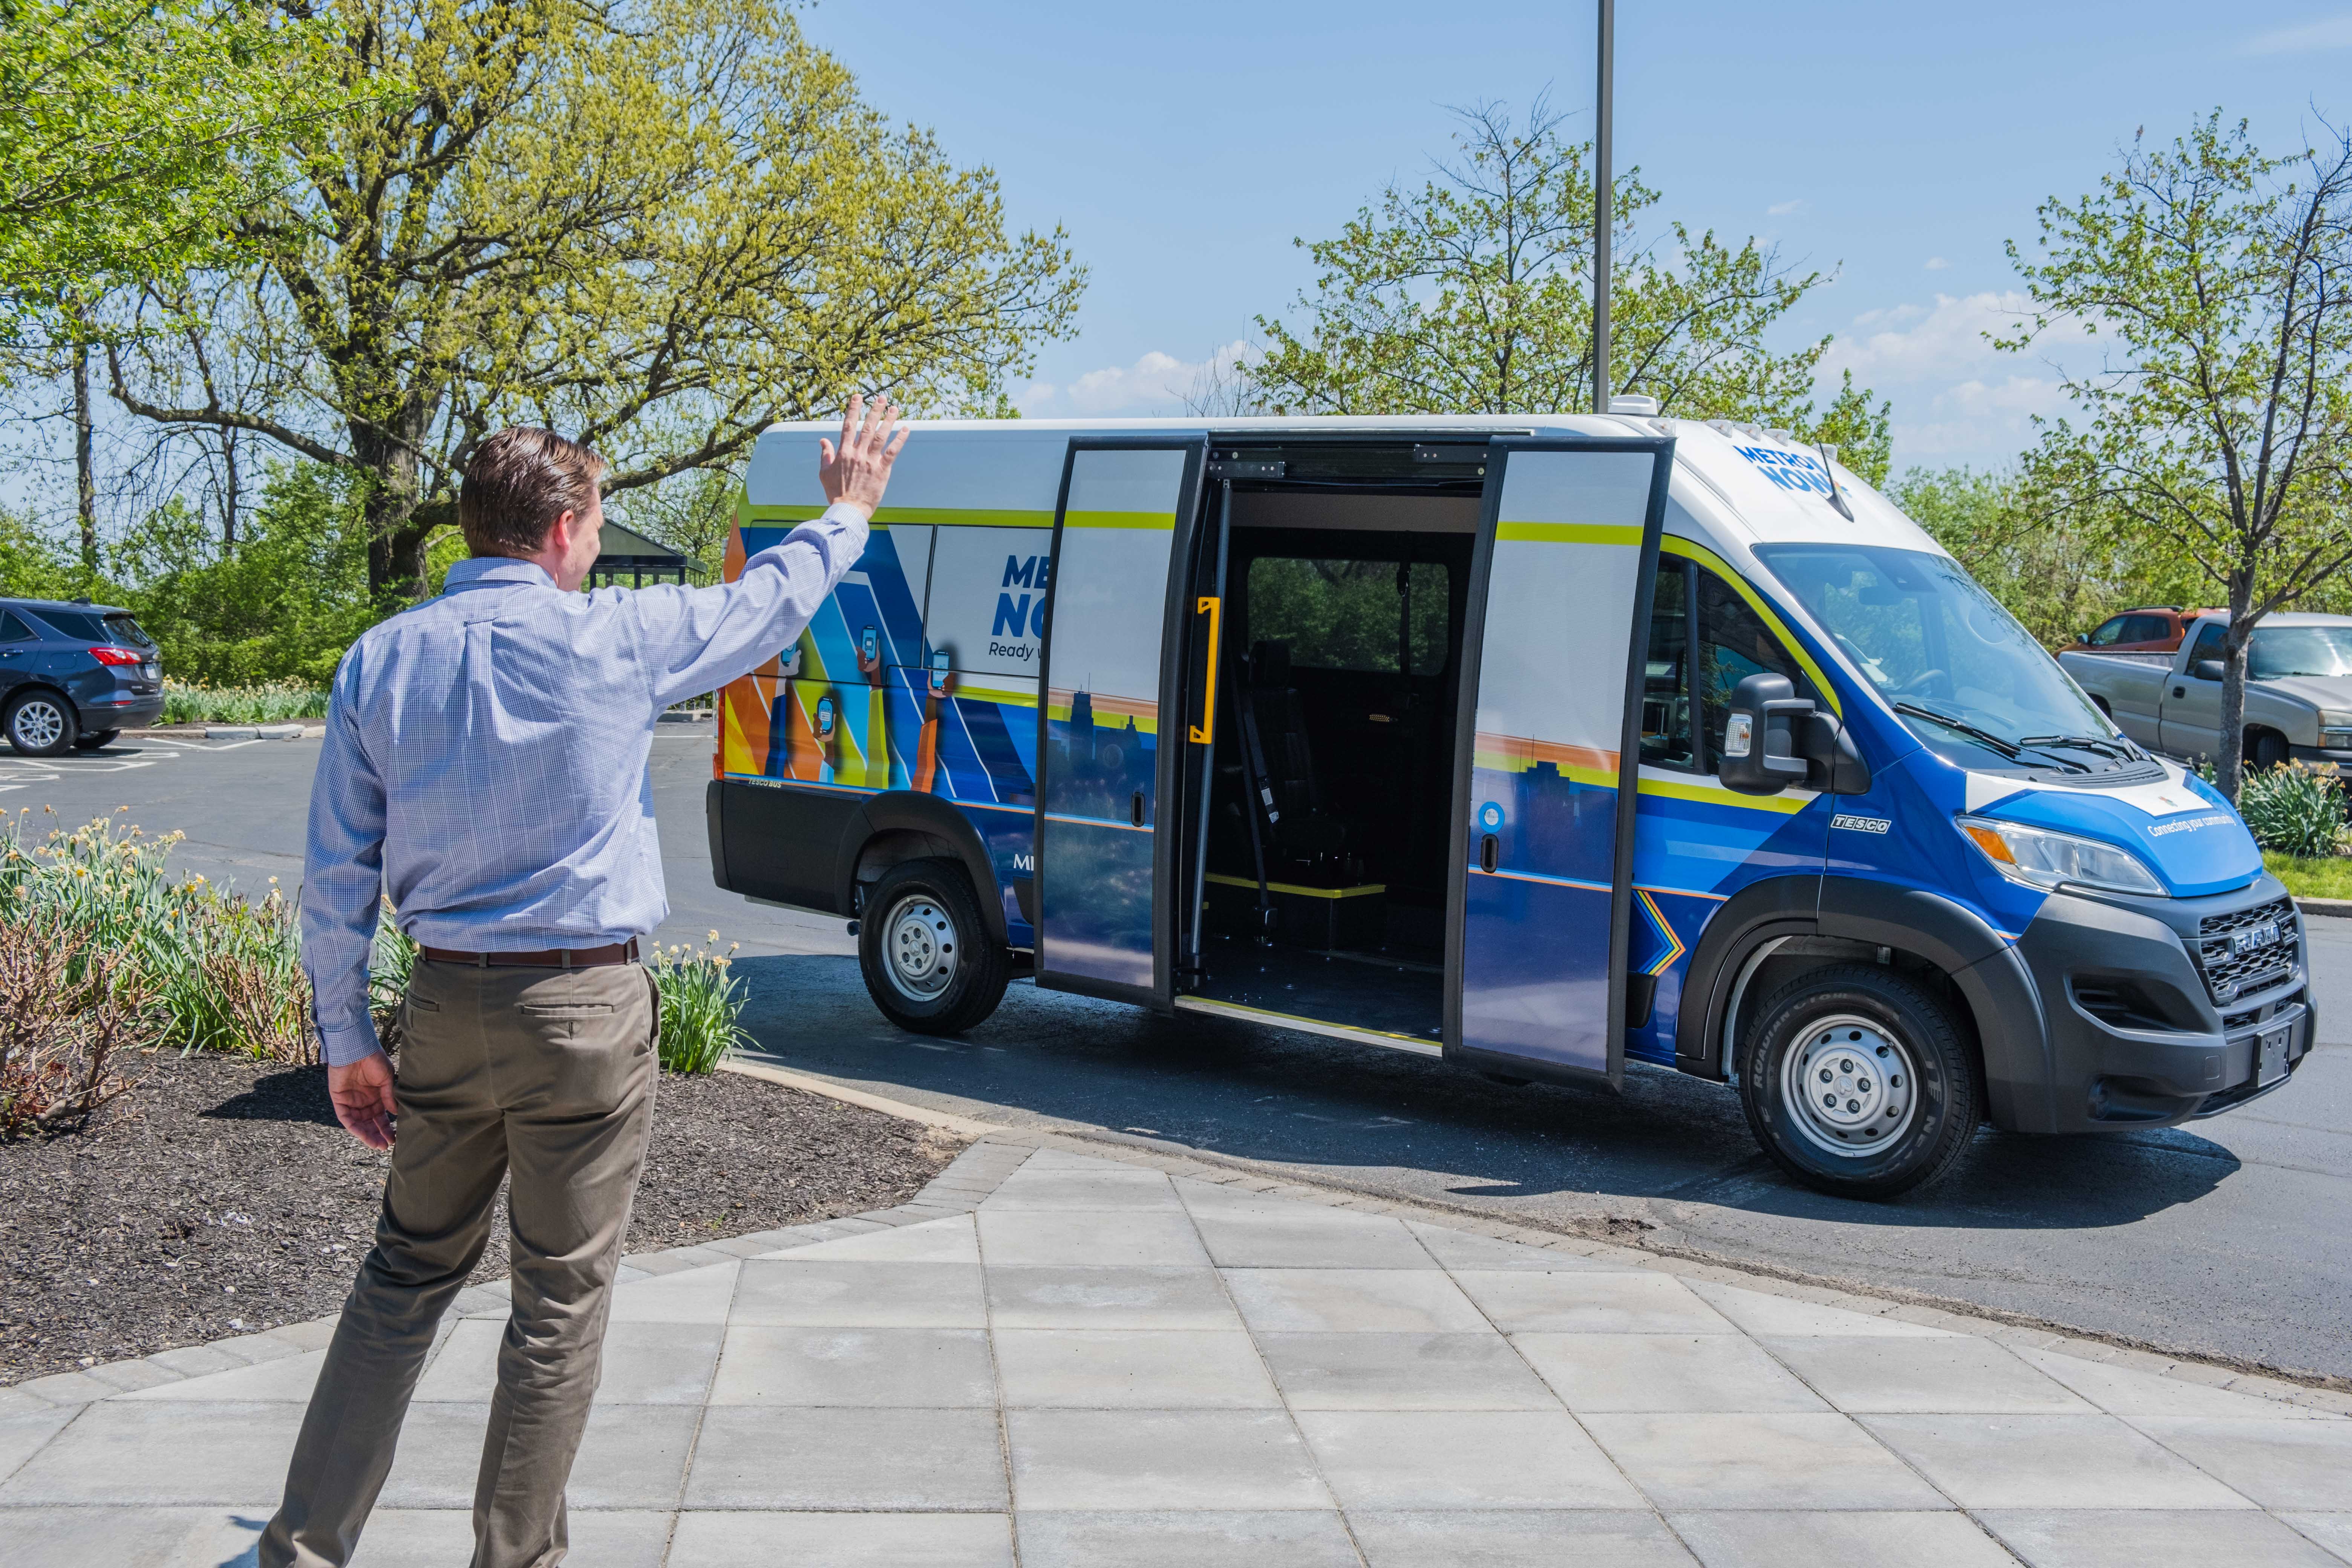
<point x="486" y="758"/>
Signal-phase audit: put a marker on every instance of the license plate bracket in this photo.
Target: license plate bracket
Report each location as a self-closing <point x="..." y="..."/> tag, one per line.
<point x="2271" y="1055"/>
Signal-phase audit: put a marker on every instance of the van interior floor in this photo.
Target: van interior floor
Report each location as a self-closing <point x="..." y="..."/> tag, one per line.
<point x="1363" y="991"/>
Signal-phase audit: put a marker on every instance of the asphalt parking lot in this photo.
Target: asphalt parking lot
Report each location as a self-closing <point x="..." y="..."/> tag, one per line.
<point x="2227" y="1239"/>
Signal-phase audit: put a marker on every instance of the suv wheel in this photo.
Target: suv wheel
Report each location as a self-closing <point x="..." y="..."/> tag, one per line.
<point x="1859" y="1081"/>
<point x="40" y="724"/>
<point x="925" y="954"/>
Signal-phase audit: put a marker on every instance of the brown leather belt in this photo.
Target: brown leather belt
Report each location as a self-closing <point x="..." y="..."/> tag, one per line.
<point x="550" y="958"/>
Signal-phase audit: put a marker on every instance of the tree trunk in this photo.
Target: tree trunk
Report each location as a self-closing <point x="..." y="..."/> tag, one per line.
<point x="394" y="534"/>
<point x="228" y="493"/>
<point x="85" y="466"/>
<point x="2229" y="767"/>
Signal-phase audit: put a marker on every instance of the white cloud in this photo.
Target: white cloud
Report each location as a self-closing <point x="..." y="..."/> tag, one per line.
<point x="1956" y="398"/>
<point x="1157" y="384"/>
<point x="2332" y="34"/>
<point x="1936" y="264"/>
<point x="1782" y="209"/>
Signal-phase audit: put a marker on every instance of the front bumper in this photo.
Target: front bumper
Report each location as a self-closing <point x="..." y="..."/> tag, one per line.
<point x="2143" y="1029"/>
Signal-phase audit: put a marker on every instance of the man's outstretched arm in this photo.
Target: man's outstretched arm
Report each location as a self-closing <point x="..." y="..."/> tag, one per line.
<point x="697" y="639"/>
<point x="342" y="882"/>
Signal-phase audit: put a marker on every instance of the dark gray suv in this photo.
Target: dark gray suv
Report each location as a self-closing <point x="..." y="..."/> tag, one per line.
<point x="74" y="676"/>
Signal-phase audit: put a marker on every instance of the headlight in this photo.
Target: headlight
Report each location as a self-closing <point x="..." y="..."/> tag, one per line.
<point x="2042" y="859"/>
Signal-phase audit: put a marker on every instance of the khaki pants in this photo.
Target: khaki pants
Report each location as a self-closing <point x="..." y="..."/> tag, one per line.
<point x="544" y="1074"/>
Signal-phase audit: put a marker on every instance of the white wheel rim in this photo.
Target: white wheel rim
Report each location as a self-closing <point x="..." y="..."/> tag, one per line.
<point x="39" y="722"/>
<point x="1850" y="1084"/>
<point x="920" y="948"/>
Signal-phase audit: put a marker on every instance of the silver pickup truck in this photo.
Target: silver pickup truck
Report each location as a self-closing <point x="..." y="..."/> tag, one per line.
<point x="2298" y="690"/>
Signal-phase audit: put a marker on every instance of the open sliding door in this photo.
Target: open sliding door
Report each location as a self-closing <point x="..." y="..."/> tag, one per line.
<point x="1106" y="849"/>
<point x="1542" y="888"/>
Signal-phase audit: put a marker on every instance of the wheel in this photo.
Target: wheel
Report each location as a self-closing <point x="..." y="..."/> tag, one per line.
<point x="925" y="953"/>
<point x="2265" y="749"/>
<point x="93" y="743"/>
<point x="1860" y="1081"/>
<point x="40" y="724"/>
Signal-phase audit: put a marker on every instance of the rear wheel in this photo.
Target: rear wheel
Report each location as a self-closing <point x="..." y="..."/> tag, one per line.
<point x="1860" y="1081"/>
<point x="93" y="743"/>
<point x="39" y="724"/>
<point x="925" y="953"/>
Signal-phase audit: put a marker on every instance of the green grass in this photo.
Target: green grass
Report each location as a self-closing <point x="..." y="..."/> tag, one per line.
<point x="272" y="704"/>
<point x="2315" y="877"/>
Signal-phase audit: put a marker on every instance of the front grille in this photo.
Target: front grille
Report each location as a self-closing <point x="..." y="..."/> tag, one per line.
<point x="2229" y="977"/>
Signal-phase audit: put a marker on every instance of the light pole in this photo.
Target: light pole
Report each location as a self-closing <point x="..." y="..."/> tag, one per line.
<point x="1600" y="214"/>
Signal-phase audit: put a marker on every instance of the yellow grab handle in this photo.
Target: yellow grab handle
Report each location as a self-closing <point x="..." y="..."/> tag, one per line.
<point x="1205" y="732"/>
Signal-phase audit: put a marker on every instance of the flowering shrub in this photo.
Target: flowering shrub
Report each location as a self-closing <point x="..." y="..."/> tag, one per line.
<point x="215" y="970"/>
<point x="273" y="703"/>
<point x="700" y="1004"/>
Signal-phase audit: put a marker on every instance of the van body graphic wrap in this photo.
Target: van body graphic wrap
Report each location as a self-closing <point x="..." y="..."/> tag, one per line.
<point x="829" y="713"/>
<point x="1563" y="588"/>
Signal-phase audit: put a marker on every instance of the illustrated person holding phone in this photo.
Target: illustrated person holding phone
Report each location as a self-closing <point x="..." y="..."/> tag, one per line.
<point x="510" y="832"/>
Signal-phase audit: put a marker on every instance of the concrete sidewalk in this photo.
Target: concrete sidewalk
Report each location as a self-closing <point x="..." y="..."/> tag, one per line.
<point x="1073" y="1362"/>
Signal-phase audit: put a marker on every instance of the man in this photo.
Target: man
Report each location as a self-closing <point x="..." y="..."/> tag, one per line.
<point x="484" y="768"/>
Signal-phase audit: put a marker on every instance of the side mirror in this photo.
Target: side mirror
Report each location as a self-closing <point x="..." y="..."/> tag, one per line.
<point x="2081" y="637"/>
<point x="1760" y="743"/>
<point x="2207" y="669"/>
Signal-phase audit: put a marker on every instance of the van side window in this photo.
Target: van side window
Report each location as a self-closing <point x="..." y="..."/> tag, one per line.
<point x="1386" y="616"/>
<point x="1685" y="672"/>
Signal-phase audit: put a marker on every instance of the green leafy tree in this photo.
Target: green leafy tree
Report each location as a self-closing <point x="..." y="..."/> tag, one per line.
<point x="132" y="133"/>
<point x="2058" y="574"/>
<point x="657" y="226"/>
<point x="2218" y="425"/>
<point x="1472" y="293"/>
<point x="282" y="605"/>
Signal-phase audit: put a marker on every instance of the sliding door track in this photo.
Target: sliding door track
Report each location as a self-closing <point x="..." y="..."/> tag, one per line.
<point x="1394" y="1042"/>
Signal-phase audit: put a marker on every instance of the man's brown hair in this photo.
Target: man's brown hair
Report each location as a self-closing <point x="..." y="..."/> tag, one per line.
<point x="521" y="481"/>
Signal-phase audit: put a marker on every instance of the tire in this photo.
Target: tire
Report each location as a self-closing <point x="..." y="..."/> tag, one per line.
<point x="94" y="742"/>
<point x="40" y="724"/>
<point x="925" y="952"/>
<point x="1878" y="1132"/>
<point x="2265" y="749"/>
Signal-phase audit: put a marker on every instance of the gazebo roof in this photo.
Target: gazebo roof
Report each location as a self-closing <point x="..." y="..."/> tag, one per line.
<point x="625" y="550"/>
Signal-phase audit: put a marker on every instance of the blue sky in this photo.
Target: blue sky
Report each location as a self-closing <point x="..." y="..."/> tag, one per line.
<point x="1183" y="147"/>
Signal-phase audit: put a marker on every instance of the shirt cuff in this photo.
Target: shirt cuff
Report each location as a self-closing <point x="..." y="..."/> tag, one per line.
<point x="848" y="512"/>
<point x="342" y="1047"/>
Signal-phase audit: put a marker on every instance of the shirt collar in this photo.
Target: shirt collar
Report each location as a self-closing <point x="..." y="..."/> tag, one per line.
<point x="483" y="571"/>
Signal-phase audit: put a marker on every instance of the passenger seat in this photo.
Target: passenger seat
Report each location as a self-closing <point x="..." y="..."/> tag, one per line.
<point x="1281" y="760"/>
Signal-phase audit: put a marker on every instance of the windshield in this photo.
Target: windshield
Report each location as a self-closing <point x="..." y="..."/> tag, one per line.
<point x="2279" y="651"/>
<point x="1970" y="682"/>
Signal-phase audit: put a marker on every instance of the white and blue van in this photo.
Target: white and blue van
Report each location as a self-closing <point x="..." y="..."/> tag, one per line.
<point x="1535" y="743"/>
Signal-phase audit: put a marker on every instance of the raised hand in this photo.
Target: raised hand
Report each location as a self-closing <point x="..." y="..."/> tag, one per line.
<point x="858" y="470"/>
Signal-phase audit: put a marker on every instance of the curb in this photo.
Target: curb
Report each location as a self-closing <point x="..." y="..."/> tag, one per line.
<point x="2341" y="906"/>
<point x="260" y="732"/>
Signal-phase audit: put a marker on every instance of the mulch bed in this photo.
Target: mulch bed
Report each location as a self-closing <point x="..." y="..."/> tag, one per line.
<point x="221" y="1197"/>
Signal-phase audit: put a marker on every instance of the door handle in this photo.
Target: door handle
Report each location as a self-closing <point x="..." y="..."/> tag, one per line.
<point x="2181" y="692"/>
<point x="1205" y="732"/>
<point x="1135" y="809"/>
<point x="1490" y="852"/>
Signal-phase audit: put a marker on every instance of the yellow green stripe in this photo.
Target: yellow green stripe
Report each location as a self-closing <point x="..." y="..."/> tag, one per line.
<point x="1673" y="545"/>
<point x="1570" y="532"/>
<point x="1716" y="794"/>
<point x="1147" y="519"/>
